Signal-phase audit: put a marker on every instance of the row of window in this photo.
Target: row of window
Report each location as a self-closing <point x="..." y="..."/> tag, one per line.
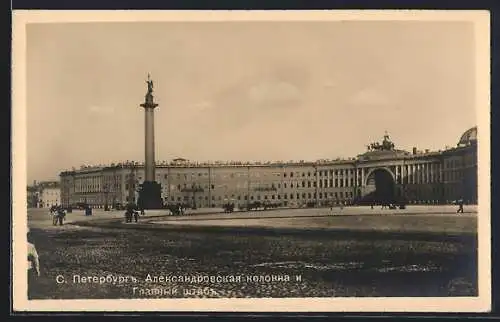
<point x="51" y="193"/>
<point x="298" y="196"/>
<point x="258" y="174"/>
<point x="411" y="194"/>
<point x="417" y="178"/>
<point x="453" y="175"/>
<point x="449" y="163"/>
<point x="304" y="184"/>
<point x="322" y="183"/>
<point x="453" y="163"/>
<point x="322" y="173"/>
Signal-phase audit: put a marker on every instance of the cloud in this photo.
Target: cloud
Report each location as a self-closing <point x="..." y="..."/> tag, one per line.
<point x="201" y="106"/>
<point x="369" y="97"/>
<point x="245" y="102"/>
<point x="330" y="84"/>
<point x="274" y="92"/>
<point x="101" y="110"/>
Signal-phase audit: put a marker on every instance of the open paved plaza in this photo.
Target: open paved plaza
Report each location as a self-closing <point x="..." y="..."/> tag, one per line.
<point x="354" y="251"/>
<point x="346" y="218"/>
<point x="416" y="219"/>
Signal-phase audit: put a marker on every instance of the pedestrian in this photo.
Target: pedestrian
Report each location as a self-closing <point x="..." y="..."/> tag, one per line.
<point x="58" y="216"/>
<point x="33" y="266"/>
<point x="136" y="215"/>
<point x="61" y="215"/>
<point x="53" y="214"/>
<point x="460" y="206"/>
<point x="55" y="218"/>
<point x="129" y="213"/>
<point x="128" y="216"/>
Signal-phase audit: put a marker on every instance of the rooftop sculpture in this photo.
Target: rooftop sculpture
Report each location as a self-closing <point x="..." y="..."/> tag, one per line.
<point x="387" y="144"/>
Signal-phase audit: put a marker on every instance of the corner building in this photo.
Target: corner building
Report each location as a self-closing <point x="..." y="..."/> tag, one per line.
<point x="381" y="174"/>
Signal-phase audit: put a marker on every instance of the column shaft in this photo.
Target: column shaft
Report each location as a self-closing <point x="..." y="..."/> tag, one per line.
<point x="149" y="166"/>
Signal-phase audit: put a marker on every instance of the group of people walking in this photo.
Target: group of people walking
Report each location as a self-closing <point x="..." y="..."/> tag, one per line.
<point x="58" y="215"/>
<point x="132" y="211"/>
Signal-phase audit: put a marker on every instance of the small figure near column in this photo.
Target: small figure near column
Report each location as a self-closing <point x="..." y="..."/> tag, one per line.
<point x="88" y="211"/>
<point x="61" y="215"/>
<point x="460" y="203"/>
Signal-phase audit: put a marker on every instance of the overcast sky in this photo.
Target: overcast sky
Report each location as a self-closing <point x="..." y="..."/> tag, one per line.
<point x="244" y="90"/>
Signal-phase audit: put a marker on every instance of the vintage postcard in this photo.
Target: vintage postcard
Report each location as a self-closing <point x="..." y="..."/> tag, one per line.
<point x="254" y="161"/>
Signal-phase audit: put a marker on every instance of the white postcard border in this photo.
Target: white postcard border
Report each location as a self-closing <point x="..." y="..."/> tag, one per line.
<point x="482" y="303"/>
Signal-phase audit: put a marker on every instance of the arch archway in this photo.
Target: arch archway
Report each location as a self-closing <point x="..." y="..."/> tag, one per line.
<point x="382" y="186"/>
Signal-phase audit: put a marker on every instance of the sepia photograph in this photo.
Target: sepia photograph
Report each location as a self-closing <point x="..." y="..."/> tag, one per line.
<point x="251" y="161"/>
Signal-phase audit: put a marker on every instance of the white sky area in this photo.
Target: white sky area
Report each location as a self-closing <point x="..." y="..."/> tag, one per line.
<point x="244" y="90"/>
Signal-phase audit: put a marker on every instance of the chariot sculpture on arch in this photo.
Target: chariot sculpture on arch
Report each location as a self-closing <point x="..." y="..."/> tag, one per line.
<point x="387" y="144"/>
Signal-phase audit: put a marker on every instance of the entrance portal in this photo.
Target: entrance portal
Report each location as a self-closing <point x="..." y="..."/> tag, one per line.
<point x="382" y="186"/>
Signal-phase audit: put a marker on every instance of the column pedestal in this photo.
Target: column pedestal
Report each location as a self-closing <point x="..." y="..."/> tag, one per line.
<point x="150" y="196"/>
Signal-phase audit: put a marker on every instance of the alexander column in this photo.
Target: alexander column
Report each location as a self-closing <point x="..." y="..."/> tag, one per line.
<point x="150" y="193"/>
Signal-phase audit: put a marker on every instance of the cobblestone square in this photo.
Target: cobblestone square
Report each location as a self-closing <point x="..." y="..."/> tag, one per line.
<point x="353" y="254"/>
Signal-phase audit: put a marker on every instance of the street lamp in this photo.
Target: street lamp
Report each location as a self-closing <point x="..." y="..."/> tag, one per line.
<point x="356" y="196"/>
<point x="131" y="184"/>
<point x="404" y="178"/>
<point x="248" y="187"/>
<point x="106" y="191"/>
<point x="316" y="179"/>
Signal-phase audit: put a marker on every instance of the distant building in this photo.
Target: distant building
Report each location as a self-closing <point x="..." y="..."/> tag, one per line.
<point x="44" y="194"/>
<point x="381" y="174"/>
<point x="32" y="195"/>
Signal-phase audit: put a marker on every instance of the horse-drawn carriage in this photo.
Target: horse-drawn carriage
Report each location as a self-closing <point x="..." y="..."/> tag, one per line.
<point x="393" y="206"/>
<point x="228" y="207"/>
<point x="133" y="214"/>
<point x="176" y="209"/>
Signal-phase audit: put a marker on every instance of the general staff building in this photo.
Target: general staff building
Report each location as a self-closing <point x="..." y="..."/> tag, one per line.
<point x="381" y="174"/>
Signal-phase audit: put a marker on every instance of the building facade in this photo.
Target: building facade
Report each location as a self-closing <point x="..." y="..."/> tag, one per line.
<point x="44" y="194"/>
<point x="381" y="174"/>
<point x="32" y="196"/>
